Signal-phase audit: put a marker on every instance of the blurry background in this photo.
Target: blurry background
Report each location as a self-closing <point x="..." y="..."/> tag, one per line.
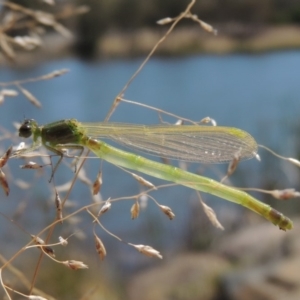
<point x="247" y="77"/>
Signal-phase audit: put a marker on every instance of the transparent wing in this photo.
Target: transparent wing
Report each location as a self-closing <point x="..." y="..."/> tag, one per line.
<point x="206" y="144"/>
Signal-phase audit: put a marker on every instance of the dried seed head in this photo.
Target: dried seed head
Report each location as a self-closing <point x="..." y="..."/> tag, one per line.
<point x="9" y="93"/>
<point x="167" y="211"/>
<point x="62" y="241"/>
<point x="27" y="42"/>
<point x="143" y="181"/>
<point x="22" y="184"/>
<point x="20" y="146"/>
<point x="100" y="247"/>
<point x="75" y="264"/>
<point x="38" y="240"/>
<point x="211" y="215"/>
<point x="48" y="250"/>
<point x="179" y="122"/>
<point x="143" y="199"/>
<point x="4" y="183"/>
<point x="234" y="163"/>
<point x="207" y="120"/>
<point x="50" y="2"/>
<point x="55" y="73"/>
<point x="135" y="210"/>
<point x="31" y="165"/>
<point x="34" y="297"/>
<point x="6" y="47"/>
<point x="58" y="205"/>
<point x="97" y="184"/>
<point x="105" y="207"/>
<point x="294" y="161"/>
<point x="5" y="157"/>
<point x="82" y="9"/>
<point x="285" y="194"/>
<point x="257" y="156"/>
<point x="30" y="97"/>
<point x="148" y="251"/>
<point x="208" y="28"/>
<point x="66" y="33"/>
<point x="44" y="18"/>
<point x="164" y="21"/>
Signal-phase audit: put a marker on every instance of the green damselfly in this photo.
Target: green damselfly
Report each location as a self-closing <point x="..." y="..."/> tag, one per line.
<point x="206" y="144"/>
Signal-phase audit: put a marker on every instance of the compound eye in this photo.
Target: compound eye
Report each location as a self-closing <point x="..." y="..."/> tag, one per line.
<point x="25" y="130"/>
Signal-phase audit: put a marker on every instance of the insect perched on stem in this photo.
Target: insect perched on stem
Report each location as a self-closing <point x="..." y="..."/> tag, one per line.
<point x="206" y="144"/>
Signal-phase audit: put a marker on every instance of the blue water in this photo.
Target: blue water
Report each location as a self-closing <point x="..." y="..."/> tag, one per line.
<point x="246" y="91"/>
<point x="258" y="93"/>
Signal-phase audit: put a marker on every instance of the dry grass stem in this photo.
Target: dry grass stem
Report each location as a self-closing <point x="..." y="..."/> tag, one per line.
<point x="105" y="229"/>
<point x="33" y="297"/>
<point x="292" y="160"/>
<point x="6" y="48"/>
<point x="161" y="40"/>
<point x="207" y="27"/>
<point x="7" y="93"/>
<point x="83" y="177"/>
<point x="158" y="110"/>
<point x="284" y="194"/>
<point x="165" y="209"/>
<point x="45" y="248"/>
<point x="39" y="18"/>
<point x="51" y="75"/>
<point x="31" y="40"/>
<point x="139" y="178"/>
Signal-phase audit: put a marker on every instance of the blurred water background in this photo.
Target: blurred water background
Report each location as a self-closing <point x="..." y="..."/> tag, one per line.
<point x="257" y="92"/>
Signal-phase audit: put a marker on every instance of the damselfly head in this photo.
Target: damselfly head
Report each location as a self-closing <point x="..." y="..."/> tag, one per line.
<point x="26" y="129"/>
